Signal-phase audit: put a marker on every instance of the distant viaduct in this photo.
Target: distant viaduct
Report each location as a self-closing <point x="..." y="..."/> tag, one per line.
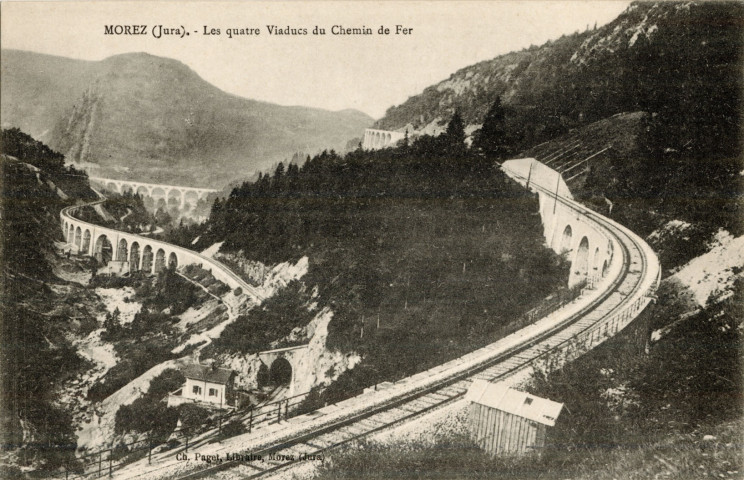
<point x="156" y="191"/>
<point x="377" y="139"/>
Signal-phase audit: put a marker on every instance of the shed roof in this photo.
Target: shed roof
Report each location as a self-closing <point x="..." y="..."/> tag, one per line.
<point x="522" y="404"/>
<point x="207" y="373"/>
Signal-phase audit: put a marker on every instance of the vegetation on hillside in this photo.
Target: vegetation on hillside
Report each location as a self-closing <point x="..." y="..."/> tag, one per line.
<point x="149" y="413"/>
<point x="261" y="328"/>
<point x="36" y="353"/>
<point x="423" y="252"/>
<point x="673" y="413"/>
<point x="148" y="339"/>
<point x="680" y="62"/>
<point x="128" y="213"/>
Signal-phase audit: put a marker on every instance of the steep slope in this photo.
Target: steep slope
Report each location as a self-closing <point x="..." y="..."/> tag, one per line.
<point x="157" y="120"/>
<point x="41" y="311"/>
<point x="654" y="55"/>
<point x="37" y="90"/>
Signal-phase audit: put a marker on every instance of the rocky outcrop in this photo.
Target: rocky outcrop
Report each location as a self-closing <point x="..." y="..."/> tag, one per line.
<point x="315" y="366"/>
<point x="581" y="77"/>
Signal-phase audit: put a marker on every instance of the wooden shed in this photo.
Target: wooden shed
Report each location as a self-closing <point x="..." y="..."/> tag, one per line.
<point x="504" y="421"/>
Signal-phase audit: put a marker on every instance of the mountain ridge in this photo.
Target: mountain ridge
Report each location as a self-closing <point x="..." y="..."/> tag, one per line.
<point x="153" y="118"/>
<point x="650" y="54"/>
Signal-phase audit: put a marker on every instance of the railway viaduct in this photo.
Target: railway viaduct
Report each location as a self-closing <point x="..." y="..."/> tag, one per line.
<point x="377" y="139"/>
<point x="620" y="269"/>
<point x="131" y="252"/>
<point x="155" y="191"/>
<point x="569" y="233"/>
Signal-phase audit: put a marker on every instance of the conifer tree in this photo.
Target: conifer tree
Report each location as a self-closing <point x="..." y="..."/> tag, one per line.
<point x="454" y="137"/>
<point x="456" y="130"/>
<point x="491" y="138"/>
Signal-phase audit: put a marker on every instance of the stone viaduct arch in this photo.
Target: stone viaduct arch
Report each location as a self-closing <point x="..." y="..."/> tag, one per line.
<point x="132" y="252"/>
<point x="568" y="233"/>
<point x="121" y="253"/>
<point x="103" y="250"/>
<point x="155" y="191"/>
<point x="283" y="366"/>
<point x="134" y="257"/>
<point x="566" y="244"/>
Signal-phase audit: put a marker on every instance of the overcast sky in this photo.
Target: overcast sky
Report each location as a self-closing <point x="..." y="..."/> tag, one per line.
<point x="369" y="73"/>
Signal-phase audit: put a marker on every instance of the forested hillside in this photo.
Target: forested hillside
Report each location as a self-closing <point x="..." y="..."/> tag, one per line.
<point x="422" y="252"/>
<point x="36" y="352"/>
<point x="679" y="61"/>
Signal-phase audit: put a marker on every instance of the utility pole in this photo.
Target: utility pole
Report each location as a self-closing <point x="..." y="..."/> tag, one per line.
<point x="557" y="186"/>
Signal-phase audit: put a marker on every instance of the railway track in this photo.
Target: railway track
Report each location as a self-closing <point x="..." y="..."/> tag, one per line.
<point x="67" y="214"/>
<point x="580" y="327"/>
<point x="613" y="308"/>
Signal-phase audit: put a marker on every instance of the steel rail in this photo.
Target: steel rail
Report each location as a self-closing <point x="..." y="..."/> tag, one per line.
<point x="454" y="388"/>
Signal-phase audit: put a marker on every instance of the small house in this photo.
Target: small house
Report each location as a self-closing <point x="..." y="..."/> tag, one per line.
<point x="205" y="383"/>
<point x="504" y="421"/>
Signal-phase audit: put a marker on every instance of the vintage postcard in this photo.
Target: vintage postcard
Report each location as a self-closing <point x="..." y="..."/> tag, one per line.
<point x="371" y="239"/>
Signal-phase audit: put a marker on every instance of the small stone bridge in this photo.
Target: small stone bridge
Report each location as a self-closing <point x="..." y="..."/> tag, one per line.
<point x="285" y="366"/>
<point x="156" y="191"/>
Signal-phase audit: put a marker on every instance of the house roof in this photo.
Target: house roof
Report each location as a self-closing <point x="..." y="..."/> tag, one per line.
<point x="207" y="373"/>
<point x="522" y="404"/>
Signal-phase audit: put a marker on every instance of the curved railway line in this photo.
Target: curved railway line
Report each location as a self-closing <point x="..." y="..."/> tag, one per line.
<point x="561" y="336"/>
<point x="618" y="303"/>
<point x="66" y="216"/>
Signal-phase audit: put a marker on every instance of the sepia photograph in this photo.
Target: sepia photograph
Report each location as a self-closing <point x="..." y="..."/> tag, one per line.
<point x="372" y="240"/>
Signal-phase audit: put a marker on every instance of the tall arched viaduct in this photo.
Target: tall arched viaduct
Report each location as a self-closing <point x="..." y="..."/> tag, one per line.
<point x="139" y="253"/>
<point x="580" y="240"/>
<point x="156" y="191"/>
<point x="377" y="139"/>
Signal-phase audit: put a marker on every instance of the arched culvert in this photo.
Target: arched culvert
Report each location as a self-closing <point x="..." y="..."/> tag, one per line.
<point x="280" y="372"/>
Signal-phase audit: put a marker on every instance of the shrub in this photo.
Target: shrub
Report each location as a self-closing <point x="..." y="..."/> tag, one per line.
<point x="146" y="415"/>
<point x="192" y="416"/>
<point x="312" y="402"/>
<point x="168" y="381"/>
<point x="233" y="428"/>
